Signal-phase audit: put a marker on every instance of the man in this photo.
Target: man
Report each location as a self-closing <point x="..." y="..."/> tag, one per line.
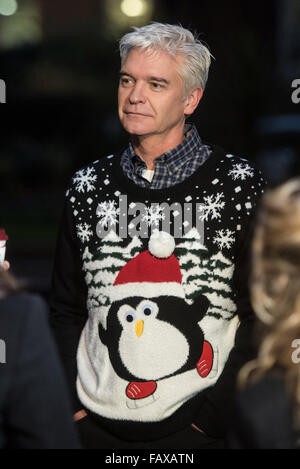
<point x="149" y="285"/>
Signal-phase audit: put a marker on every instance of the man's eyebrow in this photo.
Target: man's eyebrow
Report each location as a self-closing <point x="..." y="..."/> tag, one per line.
<point x="160" y="80"/>
<point x="125" y="73"/>
<point x="152" y="78"/>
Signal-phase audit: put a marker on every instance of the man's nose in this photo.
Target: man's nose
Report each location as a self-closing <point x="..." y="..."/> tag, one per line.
<point x="137" y="94"/>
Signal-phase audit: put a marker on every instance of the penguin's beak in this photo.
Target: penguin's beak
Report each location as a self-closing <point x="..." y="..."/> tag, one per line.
<point x="139" y="327"/>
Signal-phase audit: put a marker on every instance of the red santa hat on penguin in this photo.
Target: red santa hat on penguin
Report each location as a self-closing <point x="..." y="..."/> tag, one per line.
<point x="152" y="273"/>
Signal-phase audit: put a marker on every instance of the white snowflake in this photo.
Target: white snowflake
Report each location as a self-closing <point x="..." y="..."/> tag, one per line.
<point x="153" y="215"/>
<point x="84" y="232"/>
<point x="212" y="206"/>
<point x="241" y="171"/>
<point x="84" y="180"/>
<point x="108" y="212"/>
<point x="224" y="238"/>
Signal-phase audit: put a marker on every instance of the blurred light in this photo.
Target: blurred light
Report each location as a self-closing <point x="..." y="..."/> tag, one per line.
<point x="8" y="7"/>
<point x="23" y="27"/>
<point x="133" y="7"/>
<point x="122" y="15"/>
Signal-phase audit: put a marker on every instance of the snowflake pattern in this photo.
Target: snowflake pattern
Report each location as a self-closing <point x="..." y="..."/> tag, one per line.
<point x="153" y="215"/>
<point x="84" y="232"/>
<point x="84" y="180"/>
<point x="241" y="171"/>
<point x="224" y="238"/>
<point x="211" y="208"/>
<point x="108" y="212"/>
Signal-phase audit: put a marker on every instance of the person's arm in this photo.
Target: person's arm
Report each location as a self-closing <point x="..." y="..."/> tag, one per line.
<point x="38" y="411"/>
<point x="68" y="299"/>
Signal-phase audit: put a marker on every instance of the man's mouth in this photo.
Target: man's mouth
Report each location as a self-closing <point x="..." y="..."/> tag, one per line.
<point x="137" y="114"/>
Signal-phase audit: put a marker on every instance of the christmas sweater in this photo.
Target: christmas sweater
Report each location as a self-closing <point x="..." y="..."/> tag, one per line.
<point x="150" y="304"/>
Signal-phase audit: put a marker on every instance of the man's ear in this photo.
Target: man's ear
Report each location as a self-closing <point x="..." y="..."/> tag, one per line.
<point x="192" y="100"/>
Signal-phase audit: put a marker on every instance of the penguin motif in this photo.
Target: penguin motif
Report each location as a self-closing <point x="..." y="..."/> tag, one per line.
<point x="151" y="339"/>
<point x="151" y="332"/>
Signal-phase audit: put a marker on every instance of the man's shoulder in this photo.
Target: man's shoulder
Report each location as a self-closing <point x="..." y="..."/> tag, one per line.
<point x="238" y="168"/>
<point x="89" y="176"/>
<point x="95" y="166"/>
<point x="230" y="158"/>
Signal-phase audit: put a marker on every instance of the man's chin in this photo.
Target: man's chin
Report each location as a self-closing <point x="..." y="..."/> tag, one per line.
<point x="137" y="131"/>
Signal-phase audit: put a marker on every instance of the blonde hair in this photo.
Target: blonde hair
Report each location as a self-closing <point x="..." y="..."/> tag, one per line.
<point x="275" y="286"/>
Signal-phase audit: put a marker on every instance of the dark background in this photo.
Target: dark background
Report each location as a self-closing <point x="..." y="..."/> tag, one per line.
<point x="59" y="59"/>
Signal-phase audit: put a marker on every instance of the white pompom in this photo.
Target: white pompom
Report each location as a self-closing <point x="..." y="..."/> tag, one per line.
<point x="161" y="244"/>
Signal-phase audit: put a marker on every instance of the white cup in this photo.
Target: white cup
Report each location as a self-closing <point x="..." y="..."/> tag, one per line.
<point x="2" y="251"/>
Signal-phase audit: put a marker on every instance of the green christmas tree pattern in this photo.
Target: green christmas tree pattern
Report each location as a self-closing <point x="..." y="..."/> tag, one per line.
<point x="214" y="280"/>
<point x="215" y="276"/>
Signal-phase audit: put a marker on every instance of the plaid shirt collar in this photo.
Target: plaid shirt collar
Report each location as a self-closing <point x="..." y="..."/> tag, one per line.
<point x="173" y="159"/>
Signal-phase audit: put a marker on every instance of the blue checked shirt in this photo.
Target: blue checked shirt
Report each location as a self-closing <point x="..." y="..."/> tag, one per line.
<point x="172" y="167"/>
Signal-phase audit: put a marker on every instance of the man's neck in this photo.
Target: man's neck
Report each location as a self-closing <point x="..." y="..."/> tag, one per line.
<point x="148" y="148"/>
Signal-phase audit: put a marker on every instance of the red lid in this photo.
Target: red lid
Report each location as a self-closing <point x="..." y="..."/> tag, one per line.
<point x="3" y="235"/>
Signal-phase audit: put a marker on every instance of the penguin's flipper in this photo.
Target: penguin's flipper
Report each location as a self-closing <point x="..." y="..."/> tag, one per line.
<point x="199" y="307"/>
<point x="204" y="365"/>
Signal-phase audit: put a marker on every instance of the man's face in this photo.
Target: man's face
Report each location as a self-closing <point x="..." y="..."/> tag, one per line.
<point x="151" y="94"/>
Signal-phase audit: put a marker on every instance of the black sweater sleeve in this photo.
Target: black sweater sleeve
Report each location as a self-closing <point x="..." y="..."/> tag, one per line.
<point x="68" y="299"/>
<point x="215" y="414"/>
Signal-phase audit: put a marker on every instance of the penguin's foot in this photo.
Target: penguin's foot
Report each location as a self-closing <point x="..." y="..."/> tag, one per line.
<point x="140" y="390"/>
<point x="204" y="365"/>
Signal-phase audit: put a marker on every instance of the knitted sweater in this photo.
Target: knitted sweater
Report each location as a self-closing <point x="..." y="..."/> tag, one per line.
<point x="150" y="303"/>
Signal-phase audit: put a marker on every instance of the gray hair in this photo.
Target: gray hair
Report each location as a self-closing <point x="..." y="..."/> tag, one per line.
<point x="173" y="39"/>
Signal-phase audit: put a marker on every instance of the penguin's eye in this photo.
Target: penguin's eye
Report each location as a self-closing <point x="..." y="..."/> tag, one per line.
<point x="129" y="316"/>
<point x="147" y="310"/>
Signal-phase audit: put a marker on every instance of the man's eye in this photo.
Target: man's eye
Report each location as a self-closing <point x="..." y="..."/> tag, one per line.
<point x="126" y="81"/>
<point x="156" y="86"/>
